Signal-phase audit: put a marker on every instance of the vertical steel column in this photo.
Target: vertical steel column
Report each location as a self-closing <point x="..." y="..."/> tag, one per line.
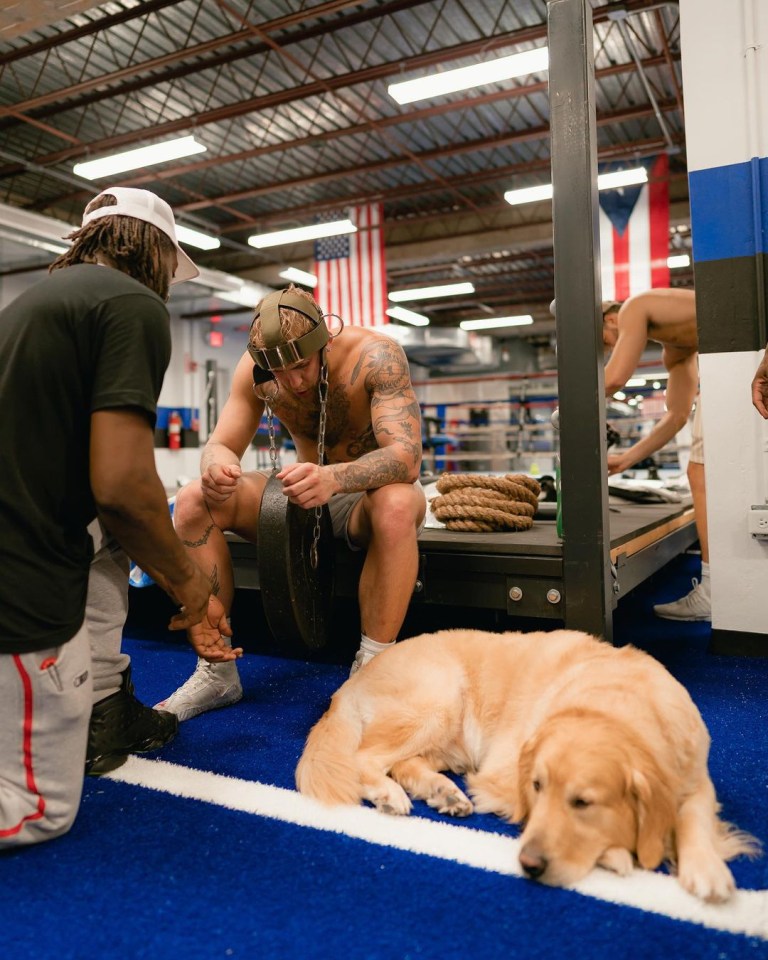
<point x="581" y="380"/>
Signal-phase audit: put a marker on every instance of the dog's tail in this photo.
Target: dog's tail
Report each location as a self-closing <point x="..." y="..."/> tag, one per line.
<point x="327" y="770"/>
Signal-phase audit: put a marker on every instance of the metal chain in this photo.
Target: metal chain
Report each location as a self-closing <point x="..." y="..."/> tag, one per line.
<point x="322" y="389"/>
<point x="271" y="435"/>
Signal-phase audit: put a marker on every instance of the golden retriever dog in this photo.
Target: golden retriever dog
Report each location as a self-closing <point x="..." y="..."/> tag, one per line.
<point x="598" y="750"/>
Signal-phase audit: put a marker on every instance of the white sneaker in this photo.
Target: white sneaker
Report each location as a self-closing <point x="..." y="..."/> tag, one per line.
<point x="361" y="658"/>
<point x="368" y="650"/>
<point x="212" y="685"/>
<point x="695" y="605"/>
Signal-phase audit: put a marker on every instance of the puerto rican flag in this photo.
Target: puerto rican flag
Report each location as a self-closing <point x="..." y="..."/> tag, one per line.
<point x="634" y="233"/>
<point x="351" y="270"/>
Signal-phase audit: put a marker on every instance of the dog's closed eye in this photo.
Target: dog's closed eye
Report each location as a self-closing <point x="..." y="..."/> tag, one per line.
<point x="579" y="803"/>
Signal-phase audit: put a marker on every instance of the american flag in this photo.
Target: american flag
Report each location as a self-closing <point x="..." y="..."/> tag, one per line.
<point x="351" y="270"/>
<point x="634" y="234"/>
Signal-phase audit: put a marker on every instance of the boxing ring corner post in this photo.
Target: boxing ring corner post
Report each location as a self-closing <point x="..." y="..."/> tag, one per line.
<point x="586" y="542"/>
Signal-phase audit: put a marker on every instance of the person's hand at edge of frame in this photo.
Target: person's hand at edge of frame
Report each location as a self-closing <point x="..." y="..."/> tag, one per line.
<point x="760" y="387"/>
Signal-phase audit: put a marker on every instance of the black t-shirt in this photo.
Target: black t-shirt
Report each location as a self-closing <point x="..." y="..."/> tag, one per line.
<point x="86" y="338"/>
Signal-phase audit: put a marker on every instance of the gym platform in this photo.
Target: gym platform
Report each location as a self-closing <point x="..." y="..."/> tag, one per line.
<point x="520" y="574"/>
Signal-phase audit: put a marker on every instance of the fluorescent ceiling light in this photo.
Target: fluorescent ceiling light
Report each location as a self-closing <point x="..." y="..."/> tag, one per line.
<point x="142" y="157"/>
<point x="313" y="232"/>
<point x="493" y="323"/>
<point x="408" y="316"/>
<point x="636" y="382"/>
<point x="196" y="239"/>
<point x="529" y="194"/>
<point x="605" y="181"/>
<point x="463" y="78"/>
<point x="247" y="295"/>
<point x="299" y="276"/>
<point x="678" y="260"/>
<point x="622" y="178"/>
<point x="428" y="293"/>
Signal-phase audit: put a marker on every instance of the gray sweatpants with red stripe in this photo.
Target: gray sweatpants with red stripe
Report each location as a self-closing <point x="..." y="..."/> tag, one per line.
<point x="45" y="708"/>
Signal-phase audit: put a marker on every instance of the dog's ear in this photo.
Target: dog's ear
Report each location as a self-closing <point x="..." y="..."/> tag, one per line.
<point x="524" y="776"/>
<point x="655" y="810"/>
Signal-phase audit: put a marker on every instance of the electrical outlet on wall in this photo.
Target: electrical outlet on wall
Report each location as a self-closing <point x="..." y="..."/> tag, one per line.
<point x="757" y="519"/>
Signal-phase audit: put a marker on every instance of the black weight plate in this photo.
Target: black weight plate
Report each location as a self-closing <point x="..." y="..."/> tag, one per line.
<point x="297" y="598"/>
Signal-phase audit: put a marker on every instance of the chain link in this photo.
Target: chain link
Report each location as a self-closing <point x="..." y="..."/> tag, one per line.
<point x="322" y="389"/>
<point x="271" y="435"/>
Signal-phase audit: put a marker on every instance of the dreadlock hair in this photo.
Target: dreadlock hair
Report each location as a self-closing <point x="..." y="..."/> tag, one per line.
<point x="137" y="248"/>
<point x="292" y="323"/>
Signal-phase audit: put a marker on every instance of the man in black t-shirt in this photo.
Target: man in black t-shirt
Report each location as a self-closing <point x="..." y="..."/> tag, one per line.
<point x="82" y="359"/>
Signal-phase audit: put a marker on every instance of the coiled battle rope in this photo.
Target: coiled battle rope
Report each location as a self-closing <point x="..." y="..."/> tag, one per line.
<point x="475" y="502"/>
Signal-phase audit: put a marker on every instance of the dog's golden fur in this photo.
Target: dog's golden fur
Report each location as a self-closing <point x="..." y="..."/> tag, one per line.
<point x="599" y="750"/>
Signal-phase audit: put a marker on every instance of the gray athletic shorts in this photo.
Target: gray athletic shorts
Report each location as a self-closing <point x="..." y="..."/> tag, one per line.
<point x="697" y="435"/>
<point x="341" y="505"/>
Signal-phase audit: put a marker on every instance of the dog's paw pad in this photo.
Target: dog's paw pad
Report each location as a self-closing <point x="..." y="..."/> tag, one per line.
<point x="450" y="801"/>
<point x="390" y="799"/>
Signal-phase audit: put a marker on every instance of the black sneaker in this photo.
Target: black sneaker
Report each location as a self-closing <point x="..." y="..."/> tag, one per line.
<point x="121" y="724"/>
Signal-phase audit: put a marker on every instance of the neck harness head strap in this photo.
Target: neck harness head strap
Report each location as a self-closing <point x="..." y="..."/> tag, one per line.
<point x="278" y="352"/>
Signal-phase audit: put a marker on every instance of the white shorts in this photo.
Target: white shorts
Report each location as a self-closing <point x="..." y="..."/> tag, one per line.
<point x="697" y="436"/>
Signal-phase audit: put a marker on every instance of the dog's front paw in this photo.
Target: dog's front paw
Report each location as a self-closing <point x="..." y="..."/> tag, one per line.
<point x="707" y="878"/>
<point x="448" y="799"/>
<point x="617" y="859"/>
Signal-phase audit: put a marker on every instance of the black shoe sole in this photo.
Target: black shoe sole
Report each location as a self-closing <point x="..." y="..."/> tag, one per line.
<point x="101" y="765"/>
<point x="111" y="761"/>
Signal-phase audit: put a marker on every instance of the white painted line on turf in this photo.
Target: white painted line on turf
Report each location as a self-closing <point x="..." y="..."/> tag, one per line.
<point x="746" y="912"/>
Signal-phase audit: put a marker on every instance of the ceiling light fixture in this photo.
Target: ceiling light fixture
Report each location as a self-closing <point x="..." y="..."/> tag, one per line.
<point x="429" y="293"/>
<point x="194" y="238"/>
<point x="678" y="260"/>
<point x="246" y="295"/>
<point x="315" y="231"/>
<point x="299" y="276"/>
<point x="408" y="316"/>
<point x="464" y="78"/>
<point x="141" y="157"/>
<point x="494" y="323"/>
<point x="605" y="181"/>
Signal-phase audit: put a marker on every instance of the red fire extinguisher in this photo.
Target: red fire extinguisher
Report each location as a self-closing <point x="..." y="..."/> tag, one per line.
<point x="174" y="431"/>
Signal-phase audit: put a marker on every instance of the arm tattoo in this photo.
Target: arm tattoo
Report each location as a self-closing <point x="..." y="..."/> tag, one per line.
<point x="215" y="583"/>
<point x="375" y="469"/>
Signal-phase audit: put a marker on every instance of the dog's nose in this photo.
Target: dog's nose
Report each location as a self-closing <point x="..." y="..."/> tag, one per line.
<point x="533" y="862"/>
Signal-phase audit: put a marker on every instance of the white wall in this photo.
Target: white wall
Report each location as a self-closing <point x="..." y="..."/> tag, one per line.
<point x="725" y="79"/>
<point x="735" y="440"/>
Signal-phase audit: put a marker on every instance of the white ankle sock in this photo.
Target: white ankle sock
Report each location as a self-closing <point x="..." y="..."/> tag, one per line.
<point x="372" y="646"/>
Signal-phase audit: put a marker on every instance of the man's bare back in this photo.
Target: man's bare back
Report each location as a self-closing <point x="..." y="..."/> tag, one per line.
<point x="671" y="318"/>
<point x="667" y="317"/>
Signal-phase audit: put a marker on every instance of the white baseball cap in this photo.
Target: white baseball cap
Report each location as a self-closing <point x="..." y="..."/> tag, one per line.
<point x="147" y="206"/>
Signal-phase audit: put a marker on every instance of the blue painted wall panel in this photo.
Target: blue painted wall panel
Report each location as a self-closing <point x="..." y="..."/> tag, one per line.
<point x="729" y="210"/>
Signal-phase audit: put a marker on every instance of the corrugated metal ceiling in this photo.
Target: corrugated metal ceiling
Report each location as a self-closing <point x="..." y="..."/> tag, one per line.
<point x="290" y="100"/>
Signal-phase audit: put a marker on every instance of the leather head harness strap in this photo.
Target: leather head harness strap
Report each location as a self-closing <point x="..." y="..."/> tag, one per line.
<point x="277" y="352"/>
